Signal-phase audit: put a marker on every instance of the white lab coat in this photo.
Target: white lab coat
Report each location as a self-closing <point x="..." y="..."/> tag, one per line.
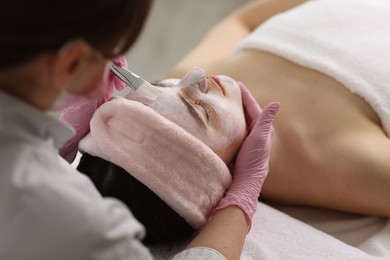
<point x="50" y="211"/>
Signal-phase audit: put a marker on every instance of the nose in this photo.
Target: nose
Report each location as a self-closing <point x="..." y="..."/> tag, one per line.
<point x="194" y="78"/>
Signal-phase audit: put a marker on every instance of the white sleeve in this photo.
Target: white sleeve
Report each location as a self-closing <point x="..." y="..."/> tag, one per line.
<point x="199" y="253"/>
<point x="117" y="236"/>
<point x="64" y="217"/>
<point x="104" y="227"/>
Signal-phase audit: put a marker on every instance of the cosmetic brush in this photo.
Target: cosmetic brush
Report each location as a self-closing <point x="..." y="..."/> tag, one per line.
<point x="136" y="83"/>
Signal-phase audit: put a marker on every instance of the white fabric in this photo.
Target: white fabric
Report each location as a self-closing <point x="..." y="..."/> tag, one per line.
<point x="200" y="253"/>
<point x="276" y="235"/>
<point x="310" y="234"/>
<point x="49" y="211"/>
<point x="346" y="39"/>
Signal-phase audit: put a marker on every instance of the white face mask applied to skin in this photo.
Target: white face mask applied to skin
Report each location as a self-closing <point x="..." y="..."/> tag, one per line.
<point x="208" y="107"/>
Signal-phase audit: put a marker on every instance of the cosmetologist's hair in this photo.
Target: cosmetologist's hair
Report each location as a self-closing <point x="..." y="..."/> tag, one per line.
<point x="28" y="28"/>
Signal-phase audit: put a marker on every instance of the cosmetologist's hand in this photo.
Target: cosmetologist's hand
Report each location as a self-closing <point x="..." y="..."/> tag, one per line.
<point x="251" y="165"/>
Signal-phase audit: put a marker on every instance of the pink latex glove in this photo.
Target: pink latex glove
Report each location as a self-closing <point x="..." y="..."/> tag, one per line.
<point x="114" y="81"/>
<point x="252" y="162"/>
<point x="78" y="115"/>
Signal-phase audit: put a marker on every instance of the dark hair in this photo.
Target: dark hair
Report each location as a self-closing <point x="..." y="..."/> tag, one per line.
<point x="163" y="225"/>
<point x="28" y="28"/>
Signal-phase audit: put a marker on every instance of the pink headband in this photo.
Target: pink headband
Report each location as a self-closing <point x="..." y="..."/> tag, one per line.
<point x="175" y="165"/>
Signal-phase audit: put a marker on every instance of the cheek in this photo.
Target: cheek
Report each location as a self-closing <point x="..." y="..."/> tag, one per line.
<point x="232" y="117"/>
<point x="229" y="151"/>
<point x="227" y="141"/>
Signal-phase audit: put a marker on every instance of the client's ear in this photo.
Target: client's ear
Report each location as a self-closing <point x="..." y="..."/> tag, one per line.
<point x="68" y="66"/>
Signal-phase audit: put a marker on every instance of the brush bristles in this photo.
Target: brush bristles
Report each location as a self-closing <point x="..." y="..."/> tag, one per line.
<point x="148" y="91"/>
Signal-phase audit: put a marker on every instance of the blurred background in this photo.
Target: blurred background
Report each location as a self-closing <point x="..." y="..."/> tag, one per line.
<point x="173" y="28"/>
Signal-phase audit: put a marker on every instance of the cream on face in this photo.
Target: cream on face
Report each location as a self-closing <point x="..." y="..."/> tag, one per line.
<point x="209" y="107"/>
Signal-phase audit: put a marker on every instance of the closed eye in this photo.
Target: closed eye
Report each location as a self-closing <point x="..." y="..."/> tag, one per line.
<point x="204" y="106"/>
<point x="193" y="112"/>
<point x="211" y="116"/>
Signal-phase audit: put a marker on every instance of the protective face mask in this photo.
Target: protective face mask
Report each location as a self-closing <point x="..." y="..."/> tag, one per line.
<point x="66" y="99"/>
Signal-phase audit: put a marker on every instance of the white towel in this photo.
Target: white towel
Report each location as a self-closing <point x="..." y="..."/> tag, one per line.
<point x="276" y="235"/>
<point x="348" y="40"/>
<point x="310" y="234"/>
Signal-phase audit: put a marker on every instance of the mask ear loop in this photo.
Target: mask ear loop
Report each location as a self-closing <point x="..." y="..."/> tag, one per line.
<point x="68" y="44"/>
<point x="98" y="54"/>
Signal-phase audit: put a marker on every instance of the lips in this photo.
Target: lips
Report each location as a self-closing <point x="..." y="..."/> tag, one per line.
<point x="218" y="83"/>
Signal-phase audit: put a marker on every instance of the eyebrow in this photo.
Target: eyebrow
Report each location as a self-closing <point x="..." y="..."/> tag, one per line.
<point x="193" y="112"/>
<point x="160" y="83"/>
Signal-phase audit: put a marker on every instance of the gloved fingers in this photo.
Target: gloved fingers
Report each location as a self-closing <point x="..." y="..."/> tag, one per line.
<point x="260" y="136"/>
<point x="256" y="147"/>
<point x="122" y="62"/>
<point x="264" y="123"/>
<point x="251" y="107"/>
<point x="259" y="139"/>
<point x="251" y="165"/>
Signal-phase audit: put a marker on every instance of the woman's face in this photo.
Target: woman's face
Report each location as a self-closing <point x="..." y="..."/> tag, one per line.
<point x="209" y="107"/>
